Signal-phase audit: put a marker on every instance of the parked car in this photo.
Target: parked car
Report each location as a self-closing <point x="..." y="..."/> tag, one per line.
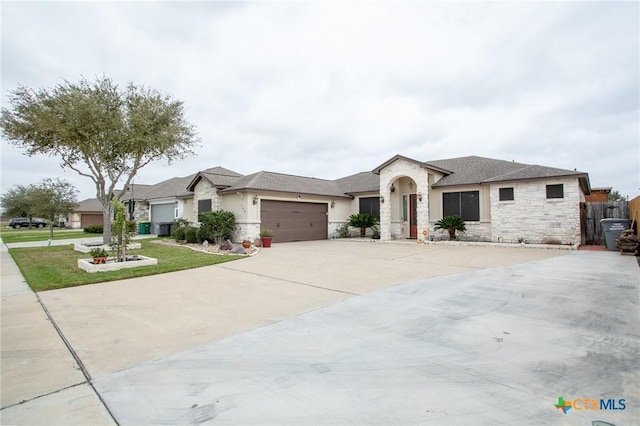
<point x="23" y="222"/>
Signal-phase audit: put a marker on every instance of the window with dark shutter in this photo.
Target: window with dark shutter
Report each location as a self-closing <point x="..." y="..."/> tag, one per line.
<point x="506" y="194"/>
<point x="465" y="204"/>
<point x="370" y="205"/>
<point x="555" y="191"/>
<point x="204" y="206"/>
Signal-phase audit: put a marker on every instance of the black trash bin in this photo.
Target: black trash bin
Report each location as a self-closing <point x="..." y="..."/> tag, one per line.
<point x="611" y="230"/>
<point x="164" y="229"/>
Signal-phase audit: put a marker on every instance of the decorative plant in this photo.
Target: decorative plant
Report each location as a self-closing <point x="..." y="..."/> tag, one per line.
<point x="98" y="252"/>
<point x="363" y="221"/>
<point x="268" y="233"/>
<point x="452" y="224"/>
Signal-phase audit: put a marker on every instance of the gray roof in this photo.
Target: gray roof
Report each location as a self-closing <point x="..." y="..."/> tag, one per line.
<point x="89" y="205"/>
<point x="475" y="170"/>
<point x="136" y="191"/>
<point x="174" y="187"/>
<point x="360" y="182"/>
<point x="278" y="182"/>
<point x="219" y="177"/>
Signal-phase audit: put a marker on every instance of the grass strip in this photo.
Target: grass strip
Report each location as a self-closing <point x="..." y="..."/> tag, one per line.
<point x="25" y="235"/>
<point x="48" y="268"/>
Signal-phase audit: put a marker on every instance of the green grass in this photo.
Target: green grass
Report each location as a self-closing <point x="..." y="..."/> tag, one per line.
<point x="22" y="235"/>
<point x="47" y="268"/>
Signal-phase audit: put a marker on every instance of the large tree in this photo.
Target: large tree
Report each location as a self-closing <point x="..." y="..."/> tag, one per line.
<point x="99" y="130"/>
<point x="17" y="202"/>
<point x="53" y="198"/>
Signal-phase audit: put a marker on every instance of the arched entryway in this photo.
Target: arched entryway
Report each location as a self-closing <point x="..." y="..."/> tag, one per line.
<point x="404" y="209"/>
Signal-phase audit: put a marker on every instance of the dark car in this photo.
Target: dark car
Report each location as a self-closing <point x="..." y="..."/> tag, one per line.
<point x="23" y="222"/>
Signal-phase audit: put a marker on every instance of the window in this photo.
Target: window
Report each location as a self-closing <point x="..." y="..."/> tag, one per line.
<point x="464" y="204"/>
<point x="555" y="191"/>
<point x="506" y="194"/>
<point x="370" y="205"/>
<point x="204" y="206"/>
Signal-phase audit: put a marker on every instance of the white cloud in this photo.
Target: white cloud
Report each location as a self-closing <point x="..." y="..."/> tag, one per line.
<point x="330" y="89"/>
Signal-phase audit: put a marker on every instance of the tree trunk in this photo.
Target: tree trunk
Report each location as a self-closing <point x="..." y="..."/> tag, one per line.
<point x="363" y="232"/>
<point x="106" y="223"/>
<point x="452" y="233"/>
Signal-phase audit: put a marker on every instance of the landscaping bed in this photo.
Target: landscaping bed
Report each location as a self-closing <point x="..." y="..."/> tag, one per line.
<point x="46" y="268"/>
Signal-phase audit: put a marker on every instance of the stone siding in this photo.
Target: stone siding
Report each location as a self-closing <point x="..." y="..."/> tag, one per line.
<point x="205" y="191"/>
<point x="531" y="217"/>
<point x="389" y="175"/>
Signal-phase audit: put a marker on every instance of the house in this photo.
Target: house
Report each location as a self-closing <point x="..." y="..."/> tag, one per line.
<point x="500" y="201"/>
<point x="88" y="212"/>
<point x="599" y="195"/>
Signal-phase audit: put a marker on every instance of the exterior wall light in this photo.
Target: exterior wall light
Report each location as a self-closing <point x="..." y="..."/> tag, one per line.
<point x="255" y="200"/>
<point x="333" y="204"/>
<point x="382" y="198"/>
<point x="419" y="196"/>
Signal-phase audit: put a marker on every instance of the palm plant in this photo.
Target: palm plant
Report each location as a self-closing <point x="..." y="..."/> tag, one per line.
<point x="452" y="224"/>
<point x="362" y="221"/>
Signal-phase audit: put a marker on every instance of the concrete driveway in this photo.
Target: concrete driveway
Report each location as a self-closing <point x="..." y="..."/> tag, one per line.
<point x="472" y="335"/>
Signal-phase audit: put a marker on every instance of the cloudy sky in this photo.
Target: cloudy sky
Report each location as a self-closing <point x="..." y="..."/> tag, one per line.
<point x="328" y="89"/>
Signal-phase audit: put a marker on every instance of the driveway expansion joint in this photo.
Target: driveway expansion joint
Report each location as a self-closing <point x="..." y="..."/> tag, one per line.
<point x="75" y="357"/>
<point x="24" y="401"/>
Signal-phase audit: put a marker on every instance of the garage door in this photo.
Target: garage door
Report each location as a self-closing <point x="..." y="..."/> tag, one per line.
<point x="161" y="213"/>
<point x="88" y="219"/>
<point x="292" y="221"/>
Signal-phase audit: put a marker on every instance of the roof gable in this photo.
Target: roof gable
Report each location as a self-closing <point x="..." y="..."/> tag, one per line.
<point x="218" y="177"/>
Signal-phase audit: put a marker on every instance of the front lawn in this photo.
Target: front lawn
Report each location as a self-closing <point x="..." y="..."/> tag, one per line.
<point x="47" y="268"/>
<point x="23" y="235"/>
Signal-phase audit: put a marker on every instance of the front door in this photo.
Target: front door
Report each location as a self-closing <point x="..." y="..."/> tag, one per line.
<point x="413" y="216"/>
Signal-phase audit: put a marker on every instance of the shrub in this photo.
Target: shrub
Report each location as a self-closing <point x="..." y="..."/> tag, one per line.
<point x="343" y="231"/>
<point x="452" y="224"/>
<point x="268" y="233"/>
<point x="190" y="234"/>
<point x="179" y="224"/>
<point x="179" y="233"/>
<point x="217" y="226"/>
<point x="94" y="229"/>
<point x="98" y="252"/>
<point x="362" y="221"/>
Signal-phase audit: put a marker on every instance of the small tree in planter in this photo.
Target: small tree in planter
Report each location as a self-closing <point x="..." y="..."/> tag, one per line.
<point x="362" y="221"/>
<point x="266" y="236"/>
<point x="452" y="224"/>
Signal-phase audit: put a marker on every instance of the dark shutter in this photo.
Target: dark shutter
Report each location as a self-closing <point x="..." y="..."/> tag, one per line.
<point x="370" y="205"/>
<point x="464" y="204"/>
<point x="555" y="191"/>
<point x="451" y="204"/>
<point x="470" y="205"/>
<point x="204" y="206"/>
<point x="506" y="194"/>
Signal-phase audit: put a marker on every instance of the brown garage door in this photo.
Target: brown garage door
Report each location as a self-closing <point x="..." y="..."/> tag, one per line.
<point x="292" y="221"/>
<point x="87" y="219"/>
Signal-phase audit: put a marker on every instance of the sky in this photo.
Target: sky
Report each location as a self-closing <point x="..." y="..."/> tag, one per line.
<point x="329" y="89"/>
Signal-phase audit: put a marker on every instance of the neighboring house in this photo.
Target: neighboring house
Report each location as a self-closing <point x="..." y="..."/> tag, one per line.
<point x="500" y="201"/>
<point x="87" y="212"/>
<point x="599" y="195"/>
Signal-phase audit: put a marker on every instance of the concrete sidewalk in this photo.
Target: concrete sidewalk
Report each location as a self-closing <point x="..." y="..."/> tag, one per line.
<point x="41" y="382"/>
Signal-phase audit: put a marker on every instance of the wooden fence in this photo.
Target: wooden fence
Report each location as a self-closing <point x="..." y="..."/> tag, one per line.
<point x="590" y="215"/>
<point x="634" y="212"/>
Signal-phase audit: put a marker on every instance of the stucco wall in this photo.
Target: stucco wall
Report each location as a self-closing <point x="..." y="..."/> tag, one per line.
<point x="532" y="217"/>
